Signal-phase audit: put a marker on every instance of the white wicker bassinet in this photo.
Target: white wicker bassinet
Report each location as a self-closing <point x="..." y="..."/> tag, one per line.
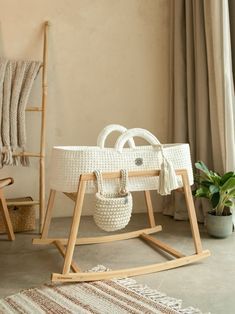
<point x="69" y="162"/>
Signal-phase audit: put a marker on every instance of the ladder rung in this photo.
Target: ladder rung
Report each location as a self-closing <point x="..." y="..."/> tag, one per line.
<point x="39" y="109"/>
<point x="28" y="154"/>
<point x="22" y="203"/>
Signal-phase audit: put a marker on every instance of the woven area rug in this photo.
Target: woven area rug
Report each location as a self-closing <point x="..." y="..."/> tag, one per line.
<point x="115" y="296"/>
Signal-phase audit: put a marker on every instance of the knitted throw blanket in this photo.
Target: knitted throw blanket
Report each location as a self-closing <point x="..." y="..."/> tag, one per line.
<point x="16" y="81"/>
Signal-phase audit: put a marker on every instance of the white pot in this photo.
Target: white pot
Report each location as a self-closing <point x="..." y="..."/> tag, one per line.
<point x="219" y="226"/>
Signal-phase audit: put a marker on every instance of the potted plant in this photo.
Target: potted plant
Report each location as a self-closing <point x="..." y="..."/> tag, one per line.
<point x="220" y="191"/>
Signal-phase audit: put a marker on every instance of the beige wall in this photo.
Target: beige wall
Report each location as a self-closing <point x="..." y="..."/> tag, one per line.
<point x="108" y="63"/>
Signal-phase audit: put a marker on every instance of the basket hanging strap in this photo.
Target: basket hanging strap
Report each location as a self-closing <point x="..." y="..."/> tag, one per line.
<point x="123" y="181"/>
<point x="167" y="178"/>
<point x="100" y="185"/>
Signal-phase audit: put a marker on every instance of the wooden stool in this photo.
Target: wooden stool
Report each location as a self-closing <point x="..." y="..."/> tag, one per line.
<point x="3" y="207"/>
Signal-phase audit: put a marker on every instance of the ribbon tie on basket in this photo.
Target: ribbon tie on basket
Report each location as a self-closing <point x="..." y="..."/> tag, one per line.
<point x="167" y="178"/>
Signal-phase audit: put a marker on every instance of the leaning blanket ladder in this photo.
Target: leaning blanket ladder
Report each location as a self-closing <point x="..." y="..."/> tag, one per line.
<point x="66" y="246"/>
<point x="41" y="154"/>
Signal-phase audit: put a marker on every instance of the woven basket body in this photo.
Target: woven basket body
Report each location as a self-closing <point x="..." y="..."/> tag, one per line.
<point x="113" y="211"/>
<point x="69" y="162"/>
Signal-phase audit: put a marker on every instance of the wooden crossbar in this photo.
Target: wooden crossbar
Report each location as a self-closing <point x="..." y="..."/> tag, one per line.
<point x="22" y="203"/>
<point x="34" y="109"/>
<point x="102" y="239"/>
<point x="161" y="245"/>
<point x="28" y="154"/>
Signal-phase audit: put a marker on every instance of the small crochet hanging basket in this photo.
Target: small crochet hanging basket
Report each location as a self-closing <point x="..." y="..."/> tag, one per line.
<point x="112" y="210"/>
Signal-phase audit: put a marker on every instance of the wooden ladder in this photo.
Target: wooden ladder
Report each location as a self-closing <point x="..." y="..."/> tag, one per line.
<point x="41" y="155"/>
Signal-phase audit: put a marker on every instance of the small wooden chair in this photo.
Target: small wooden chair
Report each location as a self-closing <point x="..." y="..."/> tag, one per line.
<point x="3" y="207"/>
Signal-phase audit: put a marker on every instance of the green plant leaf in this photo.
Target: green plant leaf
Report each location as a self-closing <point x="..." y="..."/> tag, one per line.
<point x="231" y="193"/>
<point x="215" y="178"/>
<point x="228" y="203"/>
<point x="201" y="166"/>
<point x="226" y="176"/>
<point x="213" y="189"/>
<point x="215" y="199"/>
<point x="197" y="178"/>
<point x="228" y="185"/>
<point x="202" y="192"/>
<point x="206" y="183"/>
<point x="220" y="190"/>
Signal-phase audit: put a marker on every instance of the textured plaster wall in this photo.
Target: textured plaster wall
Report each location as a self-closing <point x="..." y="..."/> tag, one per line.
<point x="108" y="63"/>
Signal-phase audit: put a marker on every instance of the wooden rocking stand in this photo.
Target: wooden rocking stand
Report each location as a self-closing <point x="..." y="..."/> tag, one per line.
<point x="66" y="246"/>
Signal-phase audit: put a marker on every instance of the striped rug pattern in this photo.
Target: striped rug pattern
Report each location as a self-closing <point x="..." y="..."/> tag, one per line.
<point x="118" y="296"/>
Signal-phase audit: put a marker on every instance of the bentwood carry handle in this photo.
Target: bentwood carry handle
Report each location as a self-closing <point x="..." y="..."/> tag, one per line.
<point x="109" y="129"/>
<point x="137" y="132"/>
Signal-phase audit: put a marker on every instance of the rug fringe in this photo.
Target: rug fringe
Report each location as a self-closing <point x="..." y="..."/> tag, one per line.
<point x="157" y="296"/>
<point x="98" y="268"/>
<point x="149" y="293"/>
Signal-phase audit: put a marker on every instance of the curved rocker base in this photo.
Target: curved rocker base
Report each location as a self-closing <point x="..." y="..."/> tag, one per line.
<point x="129" y="272"/>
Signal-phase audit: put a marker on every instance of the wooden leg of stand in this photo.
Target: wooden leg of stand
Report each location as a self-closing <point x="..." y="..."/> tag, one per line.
<point x="6" y="217"/>
<point x="74" y="226"/>
<point x="191" y="212"/>
<point x="62" y="251"/>
<point x="150" y="209"/>
<point x="47" y="220"/>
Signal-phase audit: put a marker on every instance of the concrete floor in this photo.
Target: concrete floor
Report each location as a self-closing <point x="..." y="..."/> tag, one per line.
<point x="208" y="284"/>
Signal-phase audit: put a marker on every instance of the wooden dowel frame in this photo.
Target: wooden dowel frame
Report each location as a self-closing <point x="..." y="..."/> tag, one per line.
<point x="72" y="240"/>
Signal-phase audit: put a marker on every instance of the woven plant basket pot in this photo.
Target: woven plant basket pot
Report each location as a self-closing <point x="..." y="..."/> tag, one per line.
<point x="69" y="162"/>
<point x="113" y="211"/>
